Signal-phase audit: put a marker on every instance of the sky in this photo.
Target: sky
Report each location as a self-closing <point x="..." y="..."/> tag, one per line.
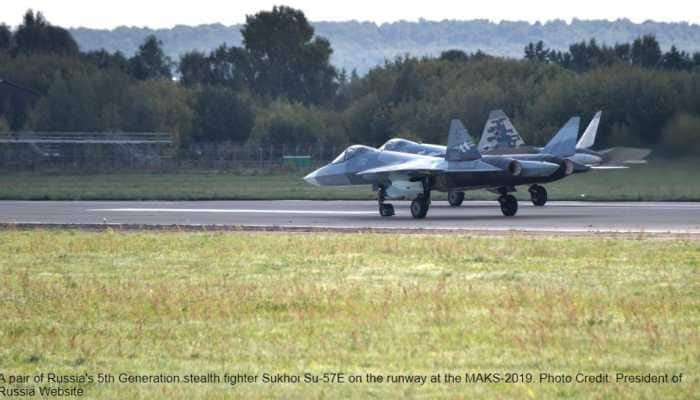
<point x="167" y="13"/>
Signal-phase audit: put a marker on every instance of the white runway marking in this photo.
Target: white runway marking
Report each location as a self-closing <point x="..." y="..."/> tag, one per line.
<point x="658" y="205"/>
<point x="226" y="210"/>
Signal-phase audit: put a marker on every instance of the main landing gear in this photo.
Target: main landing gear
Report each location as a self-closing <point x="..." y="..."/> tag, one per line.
<point x="509" y="204"/>
<point x="538" y="195"/>
<point x="455" y="198"/>
<point x="419" y="206"/>
<point x="385" y="209"/>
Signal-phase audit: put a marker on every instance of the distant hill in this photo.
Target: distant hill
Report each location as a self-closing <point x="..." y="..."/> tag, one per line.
<point x="362" y="45"/>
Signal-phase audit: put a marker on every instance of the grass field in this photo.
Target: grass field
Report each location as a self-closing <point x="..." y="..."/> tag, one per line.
<point x="657" y="181"/>
<point x="74" y="302"/>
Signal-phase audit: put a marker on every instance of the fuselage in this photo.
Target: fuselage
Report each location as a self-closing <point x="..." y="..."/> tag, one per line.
<point x="566" y="166"/>
<point x="350" y="168"/>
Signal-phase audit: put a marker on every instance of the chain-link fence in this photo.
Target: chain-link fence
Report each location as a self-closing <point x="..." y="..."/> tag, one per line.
<point x="106" y="152"/>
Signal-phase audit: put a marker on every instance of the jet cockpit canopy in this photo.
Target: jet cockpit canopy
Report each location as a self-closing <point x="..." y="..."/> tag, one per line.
<point x="351" y="152"/>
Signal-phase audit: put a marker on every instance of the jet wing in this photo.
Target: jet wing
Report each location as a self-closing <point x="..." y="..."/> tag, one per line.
<point x="420" y="167"/>
<point x="624" y="155"/>
<point x="425" y="167"/>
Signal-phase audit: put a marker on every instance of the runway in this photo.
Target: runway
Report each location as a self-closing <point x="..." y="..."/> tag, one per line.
<point x="564" y="217"/>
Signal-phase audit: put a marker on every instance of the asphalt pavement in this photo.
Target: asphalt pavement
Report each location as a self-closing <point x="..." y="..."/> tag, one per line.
<point x="573" y="217"/>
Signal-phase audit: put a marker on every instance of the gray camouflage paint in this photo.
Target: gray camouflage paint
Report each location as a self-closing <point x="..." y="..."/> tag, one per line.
<point x="498" y="133"/>
<point x="463" y="169"/>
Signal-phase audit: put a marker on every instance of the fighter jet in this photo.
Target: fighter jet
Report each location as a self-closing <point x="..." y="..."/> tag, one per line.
<point x="413" y="176"/>
<point x="558" y="151"/>
<point x="501" y="138"/>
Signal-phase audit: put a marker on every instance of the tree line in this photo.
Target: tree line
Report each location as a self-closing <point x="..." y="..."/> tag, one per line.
<point x="279" y="87"/>
<point x="364" y="45"/>
<point x="644" y="51"/>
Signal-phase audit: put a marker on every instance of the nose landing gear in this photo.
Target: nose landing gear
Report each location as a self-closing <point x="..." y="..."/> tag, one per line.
<point x="385" y="209"/>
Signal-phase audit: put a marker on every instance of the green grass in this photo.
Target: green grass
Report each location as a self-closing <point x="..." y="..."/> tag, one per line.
<point x="75" y="302"/>
<point x="657" y="181"/>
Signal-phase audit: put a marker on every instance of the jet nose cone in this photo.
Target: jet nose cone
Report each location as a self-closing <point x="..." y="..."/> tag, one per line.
<point x="311" y="178"/>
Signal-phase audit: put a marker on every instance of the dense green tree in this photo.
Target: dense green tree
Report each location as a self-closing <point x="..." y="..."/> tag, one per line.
<point x="150" y="62"/>
<point x="408" y="83"/>
<point x="585" y="56"/>
<point x="226" y="66"/>
<point x="293" y="124"/>
<point x="286" y="57"/>
<point x="454" y="55"/>
<point x="369" y="120"/>
<point x="536" y="52"/>
<point x="70" y="105"/>
<point x="222" y="115"/>
<point x="562" y="58"/>
<point x="160" y="106"/>
<point x="39" y="71"/>
<point x="681" y="135"/>
<point x="646" y="51"/>
<point x="36" y="36"/>
<point x="678" y="60"/>
<point x="230" y="66"/>
<point x="5" y="38"/>
<point x="36" y="73"/>
<point x="106" y="60"/>
<point x="194" y="69"/>
<point x="16" y="103"/>
<point x="623" y="52"/>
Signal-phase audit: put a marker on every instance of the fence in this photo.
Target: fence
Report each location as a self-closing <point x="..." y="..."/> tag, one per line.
<point x="49" y="151"/>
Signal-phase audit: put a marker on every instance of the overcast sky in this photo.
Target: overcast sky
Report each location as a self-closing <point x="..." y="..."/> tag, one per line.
<point x="167" y="13"/>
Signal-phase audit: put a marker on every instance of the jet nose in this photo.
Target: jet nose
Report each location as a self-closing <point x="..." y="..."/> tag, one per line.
<point x="311" y="178"/>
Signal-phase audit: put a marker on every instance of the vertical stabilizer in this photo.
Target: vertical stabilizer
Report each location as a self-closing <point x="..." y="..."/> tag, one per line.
<point x="563" y="144"/>
<point x="588" y="138"/>
<point x="460" y="145"/>
<point x="498" y="133"/>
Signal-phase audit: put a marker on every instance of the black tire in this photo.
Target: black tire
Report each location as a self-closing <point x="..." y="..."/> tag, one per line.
<point x="386" y="210"/>
<point x="419" y="207"/>
<point x="509" y="205"/>
<point x="538" y="195"/>
<point x="455" y="198"/>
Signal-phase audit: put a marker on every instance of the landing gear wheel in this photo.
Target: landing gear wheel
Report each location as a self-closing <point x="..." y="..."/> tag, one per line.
<point x="386" y="210"/>
<point x="538" y="195"/>
<point x="509" y="205"/>
<point x="419" y="207"/>
<point x="455" y="198"/>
